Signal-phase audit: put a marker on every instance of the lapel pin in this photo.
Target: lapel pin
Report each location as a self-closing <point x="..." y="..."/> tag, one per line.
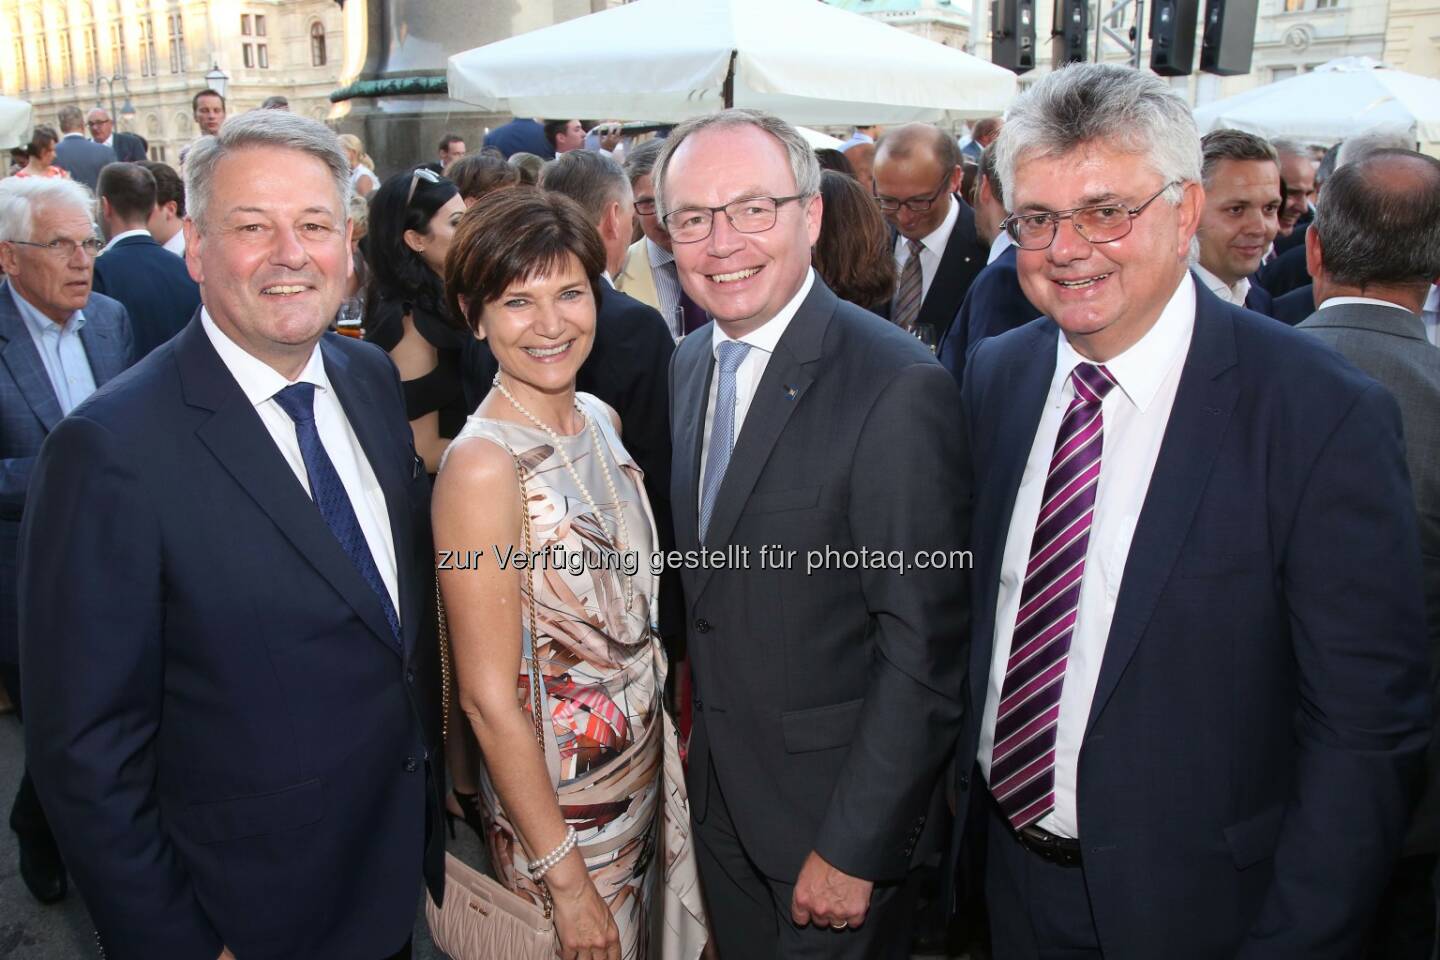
<point x="790" y="392"/>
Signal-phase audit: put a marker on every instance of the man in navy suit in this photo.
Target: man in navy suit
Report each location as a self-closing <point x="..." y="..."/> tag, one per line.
<point x="149" y="280"/>
<point x="128" y="147"/>
<point x="58" y="342"/>
<point x="995" y="302"/>
<point x="938" y="251"/>
<point x="1240" y="218"/>
<point x="1199" y="671"/>
<point x="521" y="135"/>
<point x="81" y="158"/>
<point x="234" y="725"/>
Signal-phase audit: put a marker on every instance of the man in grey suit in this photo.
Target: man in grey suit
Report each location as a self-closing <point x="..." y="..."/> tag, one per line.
<point x="58" y="342"/>
<point x="813" y="485"/>
<point x="1373" y="251"/>
<point x="79" y="157"/>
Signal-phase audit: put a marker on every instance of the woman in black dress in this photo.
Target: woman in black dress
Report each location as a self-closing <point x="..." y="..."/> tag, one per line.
<point x="412" y="217"/>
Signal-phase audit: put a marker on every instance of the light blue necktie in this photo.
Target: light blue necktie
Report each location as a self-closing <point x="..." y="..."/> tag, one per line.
<point x="328" y="492"/>
<point x="722" y="431"/>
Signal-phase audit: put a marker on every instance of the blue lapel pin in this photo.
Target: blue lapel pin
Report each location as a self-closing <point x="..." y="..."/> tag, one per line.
<point x="790" y="392"/>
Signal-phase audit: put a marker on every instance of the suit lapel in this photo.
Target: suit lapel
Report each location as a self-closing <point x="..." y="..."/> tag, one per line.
<point x="1015" y="416"/>
<point x="239" y="440"/>
<point x="781" y="390"/>
<point x="104" y="350"/>
<point x="1204" y="401"/>
<point x="693" y="369"/>
<point x="23" y="361"/>
<point x="356" y="399"/>
<point x="961" y="260"/>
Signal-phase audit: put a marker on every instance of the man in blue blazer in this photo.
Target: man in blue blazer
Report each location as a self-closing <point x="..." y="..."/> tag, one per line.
<point x="58" y="342"/>
<point x="1199" y="672"/>
<point x="149" y="280"/>
<point x="81" y="158"/>
<point x="235" y="724"/>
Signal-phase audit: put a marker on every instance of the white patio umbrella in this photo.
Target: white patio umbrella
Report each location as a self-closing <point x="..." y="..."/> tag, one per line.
<point x="1336" y="100"/>
<point x="669" y="60"/>
<point x="16" y="119"/>
<point x="818" y="140"/>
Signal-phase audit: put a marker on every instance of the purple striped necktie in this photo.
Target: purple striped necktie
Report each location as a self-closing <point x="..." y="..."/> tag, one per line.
<point x="1022" y="769"/>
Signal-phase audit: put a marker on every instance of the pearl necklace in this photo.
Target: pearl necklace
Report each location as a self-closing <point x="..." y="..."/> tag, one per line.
<point x="619" y="536"/>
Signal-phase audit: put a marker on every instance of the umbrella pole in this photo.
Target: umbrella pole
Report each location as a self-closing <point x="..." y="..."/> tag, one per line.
<point x="727" y="91"/>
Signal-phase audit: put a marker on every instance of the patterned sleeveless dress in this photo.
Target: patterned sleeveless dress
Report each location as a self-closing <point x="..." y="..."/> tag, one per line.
<point x="612" y="749"/>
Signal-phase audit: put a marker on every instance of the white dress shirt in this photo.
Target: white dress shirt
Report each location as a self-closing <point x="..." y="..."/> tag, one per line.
<point x="176" y="243"/>
<point x="747" y="377"/>
<point x="998" y="246"/>
<point x="260" y="382"/>
<point x="142" y="232"/>
<point x="1370" y="301"/>
<point x="1136" y="414"/>
<point x="1220" y="288"/>
<point x="933" y="248"/>
<point x="1430" y="313"/>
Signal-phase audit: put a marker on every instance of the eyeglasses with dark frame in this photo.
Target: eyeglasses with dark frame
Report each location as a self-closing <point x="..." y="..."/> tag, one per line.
<point x="746" y="215"/>
<point x="1096" y="223"/>
<point x="64" y="247"/>
<point x="645" y="207"/>
<point x="913" y="204"/>
<point x="418" y="174"/>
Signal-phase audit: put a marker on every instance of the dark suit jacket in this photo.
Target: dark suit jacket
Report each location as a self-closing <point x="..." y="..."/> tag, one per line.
<point x="129" y="147"/>
<point x="521" y="135"/>
<point x="1261" y="713"/>
<point x="248" y="756"/>
<point x="82" y="158"/>
<point x="1295" y="305"/>
<point x="995" y="303"/>
<point x="1259" y="299"/>
<point x="29" y="411"/>
<point x="627" y="367"/>
<point x="1390" y="345"/>
<point x="154" y="286"/>
<point x="826" y="702"/>
<point x="1285" y="273"/>
<point x="960" y="264"/>
<point x="1297" y="236"/>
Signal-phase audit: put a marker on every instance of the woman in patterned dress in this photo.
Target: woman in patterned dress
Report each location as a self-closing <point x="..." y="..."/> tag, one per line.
<point x="524" y="272"/>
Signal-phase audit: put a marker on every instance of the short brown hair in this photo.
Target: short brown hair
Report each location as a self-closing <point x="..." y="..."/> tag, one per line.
<point x="512" y="235"/>
<point x="477" y="174"/>
<point x="1227" y="144"/>
<point x="852" y="255"/>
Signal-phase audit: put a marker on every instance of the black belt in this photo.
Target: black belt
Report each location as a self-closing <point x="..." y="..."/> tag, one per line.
<point x="1061" y="851"/>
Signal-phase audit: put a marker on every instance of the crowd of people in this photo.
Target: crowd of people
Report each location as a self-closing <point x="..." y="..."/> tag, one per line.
<point x="1029" y="546"/>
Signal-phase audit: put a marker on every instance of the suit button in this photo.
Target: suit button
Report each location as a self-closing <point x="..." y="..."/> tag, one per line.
<point x="699" y="704"/>
<point x="410" y="677"/>
<point x="411" y="765"/>
<point x="702" y="625"/>
<point x="964" y="782"/>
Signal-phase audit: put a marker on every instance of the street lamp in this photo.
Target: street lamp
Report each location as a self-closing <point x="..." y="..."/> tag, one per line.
<point x="217" y="79"/>
<point x="128" y="110"/>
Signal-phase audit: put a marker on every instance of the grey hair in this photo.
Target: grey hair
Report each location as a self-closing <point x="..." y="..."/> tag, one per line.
<point x="1101" y="103"/>
<point x="590" y="178"/>
<point x="1228" y="144"/>
<point x="640" y="162"/>
<point x="71" y="119"/>
<point x="262" y="128"/>
<point x="1379" y="222"/>
<point x="19" y="196"/>
<point x="1362" y="145"/>
<point x="804" y="165"/>
<point x="1290" y="148"/>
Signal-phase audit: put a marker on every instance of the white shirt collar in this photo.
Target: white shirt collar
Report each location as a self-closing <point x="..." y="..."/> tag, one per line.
<point x="67" y="136"/>
<point x="141" y="232"/>
<point x="1140" y="370"/>
<point x="997" y="246"/>
<point x="109" y="141"/>
<point x="1221" y="289"/>
<point x="1341" y="301"/>
<point x="38" y="322"/>
<point x="258" y="380"/>
<point x="937" y="240"/>
<point x="1432" y="299"/>
<point x="768" y="334"/>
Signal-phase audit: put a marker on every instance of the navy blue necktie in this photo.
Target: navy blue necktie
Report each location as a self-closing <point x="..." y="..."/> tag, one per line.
<point x="298" y="400"/>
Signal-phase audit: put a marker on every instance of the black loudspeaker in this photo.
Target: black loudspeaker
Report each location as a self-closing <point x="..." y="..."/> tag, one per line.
<point x="1229" y="36"/>
<point x="1012" y="25"/>
<point x="1067" y="37"/>
<point x="1172" y="36"/>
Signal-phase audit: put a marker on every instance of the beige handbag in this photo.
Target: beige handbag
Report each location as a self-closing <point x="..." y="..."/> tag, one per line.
<point x="480" y="918"/>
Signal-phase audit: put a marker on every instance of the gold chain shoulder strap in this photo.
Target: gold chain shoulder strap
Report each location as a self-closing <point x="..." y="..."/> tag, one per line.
<point x="527" y="591"/>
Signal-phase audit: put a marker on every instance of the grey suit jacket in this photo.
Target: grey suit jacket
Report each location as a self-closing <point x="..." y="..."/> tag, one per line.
<point x="29" y="411"/>
<point x="828" y="699"/>
<point x="82" y="158"/>
<point x="1390" y="345"/>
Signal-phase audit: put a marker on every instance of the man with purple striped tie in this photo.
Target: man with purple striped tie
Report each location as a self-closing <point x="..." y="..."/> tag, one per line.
<point x="1199" y="668"/>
